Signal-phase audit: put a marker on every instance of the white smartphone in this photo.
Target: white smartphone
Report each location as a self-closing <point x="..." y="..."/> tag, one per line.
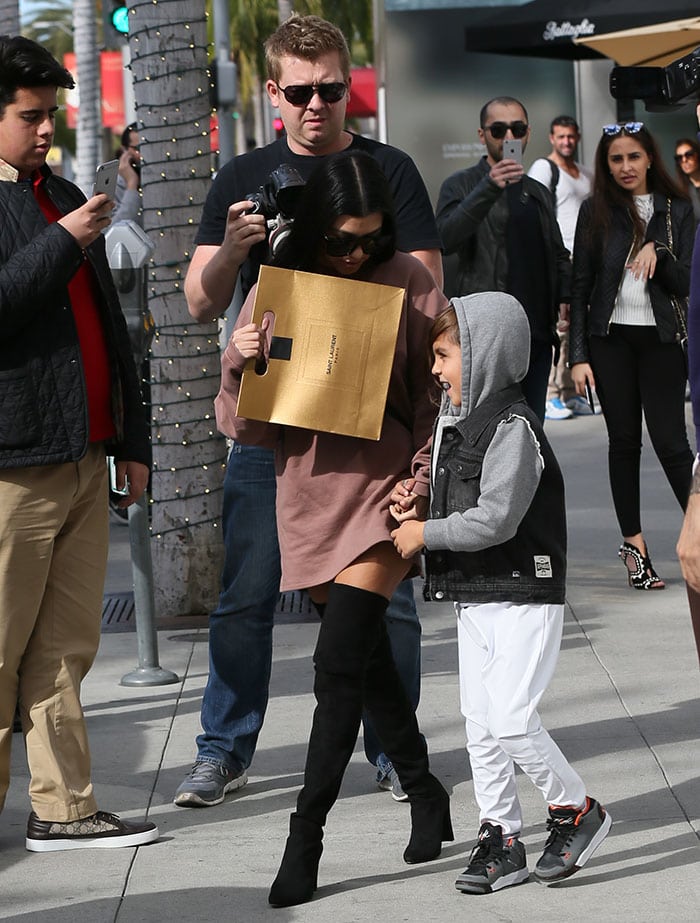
<point x="106" y="178"/>
<point x="121" y="491"/>
<point x="513" y="150"/>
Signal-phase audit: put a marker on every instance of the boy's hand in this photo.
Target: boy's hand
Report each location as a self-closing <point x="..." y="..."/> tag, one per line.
<point x="87" y="222"/>
<point x="403" y="501"/>
<point x="408" y="538"/>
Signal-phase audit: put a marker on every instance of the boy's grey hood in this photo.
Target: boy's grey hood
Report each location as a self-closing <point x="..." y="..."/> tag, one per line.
<point x="495" y="339"/>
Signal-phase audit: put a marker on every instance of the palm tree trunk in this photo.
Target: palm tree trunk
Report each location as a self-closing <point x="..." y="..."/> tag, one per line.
<point x="87" y="62"/>
<point x="168" y="45"/>
<point x="9" y="16"/>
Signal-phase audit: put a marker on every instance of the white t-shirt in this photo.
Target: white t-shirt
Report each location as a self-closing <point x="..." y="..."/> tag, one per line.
<point x="570" y="193"/>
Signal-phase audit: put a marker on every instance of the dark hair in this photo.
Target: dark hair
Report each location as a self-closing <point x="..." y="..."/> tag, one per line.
<point x="683" y="178"/>
<point x="24" y="63"/>
<point x="607" y="195"/>
<point x="125" y="137"/>
<point x="500" y="101"/>
<point x="349" y="183"/>
<point x="306" y="37"/>
<point x="564" y="121"/>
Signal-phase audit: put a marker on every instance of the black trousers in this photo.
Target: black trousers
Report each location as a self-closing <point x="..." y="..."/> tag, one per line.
<point x="635" y="371"/>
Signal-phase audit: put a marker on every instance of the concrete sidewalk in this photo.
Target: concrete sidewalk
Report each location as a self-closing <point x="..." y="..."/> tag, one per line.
<point x="623" y="706"/>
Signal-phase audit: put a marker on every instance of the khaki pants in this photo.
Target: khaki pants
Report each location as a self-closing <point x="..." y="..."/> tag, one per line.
<point x="53" y="558"/>
<point x="561" y="384"/>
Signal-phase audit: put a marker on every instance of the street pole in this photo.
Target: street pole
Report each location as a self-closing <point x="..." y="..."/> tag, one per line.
<point x="222" y="43"/>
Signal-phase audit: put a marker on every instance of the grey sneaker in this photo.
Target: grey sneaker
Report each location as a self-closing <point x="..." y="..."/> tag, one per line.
<point x="106" y="831"/>
<point x="574" y="837"/>
<point x="388" y="781"/>
<point x="494" y="863"/>
<point x="207" y="783"/>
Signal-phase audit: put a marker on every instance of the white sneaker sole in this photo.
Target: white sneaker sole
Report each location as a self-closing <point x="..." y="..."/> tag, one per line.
<point x="600" y="835"/>
<point x="96" y="842"/>
<point x="193" y="800"/>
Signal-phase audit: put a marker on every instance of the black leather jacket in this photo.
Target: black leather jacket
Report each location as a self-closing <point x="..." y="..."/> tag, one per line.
<point x="599" y="266"/>
<point x="472" y="213"/>
<point x="43" y="402"/>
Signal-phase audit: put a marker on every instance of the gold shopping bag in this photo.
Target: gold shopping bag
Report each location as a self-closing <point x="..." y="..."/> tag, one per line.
<point x="331" y="352"/>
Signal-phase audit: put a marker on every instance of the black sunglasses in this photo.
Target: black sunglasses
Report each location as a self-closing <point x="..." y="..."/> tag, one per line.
<point x="300" y="94"/>
<point x="684" y="155"/>
<point x="498" y="129"/>
<point x="343" y="246"/>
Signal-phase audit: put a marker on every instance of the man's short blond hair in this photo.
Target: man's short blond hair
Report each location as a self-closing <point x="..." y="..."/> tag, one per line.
<point x="306" y="37"/>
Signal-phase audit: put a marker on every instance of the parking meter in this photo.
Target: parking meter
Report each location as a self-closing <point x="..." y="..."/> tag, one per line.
<point x="129" y="249"/>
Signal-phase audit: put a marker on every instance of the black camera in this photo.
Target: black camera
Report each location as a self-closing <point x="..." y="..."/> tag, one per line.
<point x="659" y="87"/>
<point x="277" y="201"/>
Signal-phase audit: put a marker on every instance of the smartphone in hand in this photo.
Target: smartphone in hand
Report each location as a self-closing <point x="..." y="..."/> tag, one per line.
<point x="513" y="150"/>
<point x="589" y="397"/>
<point x="106" y="178"/>
<point x="119" y="491"/>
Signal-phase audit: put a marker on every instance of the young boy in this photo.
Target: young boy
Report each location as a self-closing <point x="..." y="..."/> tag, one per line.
<point x="496" y="544"/>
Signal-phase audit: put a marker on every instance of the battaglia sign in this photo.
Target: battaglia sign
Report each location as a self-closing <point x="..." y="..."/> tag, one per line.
<point x="555" y="30"/>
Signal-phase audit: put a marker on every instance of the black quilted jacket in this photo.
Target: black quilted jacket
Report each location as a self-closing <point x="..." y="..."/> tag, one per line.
<point x="598" y="271"/>
<point x="43" y="404"/>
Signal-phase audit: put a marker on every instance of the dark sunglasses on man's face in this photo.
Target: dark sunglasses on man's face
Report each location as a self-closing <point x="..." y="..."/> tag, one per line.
<point x="344" y="246"/>
<point x="498" y="130"/>
<point x="300" y="94"/>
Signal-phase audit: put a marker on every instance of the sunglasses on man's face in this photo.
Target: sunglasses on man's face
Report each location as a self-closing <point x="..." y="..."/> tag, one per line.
<point x="300" y="94"/>
<point x="498" y="130"/>
<point x="344" y="246"/>
<point x="684" y="155"/>
<point x="629" y="128"/>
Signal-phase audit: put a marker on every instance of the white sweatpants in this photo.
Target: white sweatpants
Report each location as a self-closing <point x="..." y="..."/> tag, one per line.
<point x="507" y="656"/>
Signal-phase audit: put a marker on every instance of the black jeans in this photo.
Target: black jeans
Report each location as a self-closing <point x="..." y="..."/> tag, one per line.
<point x="535" y="383"/>
<point x="635" y="371"/>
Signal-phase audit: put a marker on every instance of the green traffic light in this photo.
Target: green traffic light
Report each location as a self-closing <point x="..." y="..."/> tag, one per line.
<point x="120" y="19"/>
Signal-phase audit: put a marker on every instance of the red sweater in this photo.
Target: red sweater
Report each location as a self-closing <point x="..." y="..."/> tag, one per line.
<point x="91" y="336"/>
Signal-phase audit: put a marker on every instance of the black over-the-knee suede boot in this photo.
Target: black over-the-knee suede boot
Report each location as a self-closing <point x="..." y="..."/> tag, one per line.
<point x="348" y="634"/>
<point x="395" y="721"/>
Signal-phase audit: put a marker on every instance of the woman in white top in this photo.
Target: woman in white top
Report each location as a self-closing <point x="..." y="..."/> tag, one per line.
<point x="631" y="275"/>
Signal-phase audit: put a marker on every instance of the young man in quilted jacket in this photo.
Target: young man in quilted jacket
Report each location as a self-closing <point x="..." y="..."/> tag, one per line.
<point x="69" y="396"/>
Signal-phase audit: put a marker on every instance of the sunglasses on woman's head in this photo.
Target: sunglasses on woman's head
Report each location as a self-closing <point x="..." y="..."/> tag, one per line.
<point x="629" y="128"/>
<point x="300" y="94"/>
<point x="344" y="246"/>
<point x="498" y="130"/>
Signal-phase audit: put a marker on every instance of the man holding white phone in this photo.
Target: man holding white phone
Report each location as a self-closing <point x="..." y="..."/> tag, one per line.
<point x="501" y="225"/>
<point x="69" y="396"/>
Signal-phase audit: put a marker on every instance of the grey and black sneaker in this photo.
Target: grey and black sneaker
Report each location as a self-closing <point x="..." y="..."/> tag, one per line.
<point x="494" y="863"/>
<point x="388" y="781"/>
<point x="101" y="830"/>
<point x="574" y="836"/>
<point x="207" y="783"/>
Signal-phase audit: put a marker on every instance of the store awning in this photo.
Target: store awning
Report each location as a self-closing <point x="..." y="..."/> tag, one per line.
<point x="547" y="28"/>
<point x="648" y="46"/>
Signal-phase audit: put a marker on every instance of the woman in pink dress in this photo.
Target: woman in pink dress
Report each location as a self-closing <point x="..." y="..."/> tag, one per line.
<point x="333" y="515"/>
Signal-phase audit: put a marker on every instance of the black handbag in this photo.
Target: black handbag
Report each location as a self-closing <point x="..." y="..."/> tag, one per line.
<point x="680" y="305"/>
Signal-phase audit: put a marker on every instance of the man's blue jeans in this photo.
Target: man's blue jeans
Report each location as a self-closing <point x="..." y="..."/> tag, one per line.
<point x="240" y="628"/>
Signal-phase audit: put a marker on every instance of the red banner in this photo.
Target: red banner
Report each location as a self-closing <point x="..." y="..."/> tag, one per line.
<point x="112" y="81"/>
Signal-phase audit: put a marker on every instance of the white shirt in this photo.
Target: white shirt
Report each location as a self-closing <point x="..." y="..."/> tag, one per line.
<point x="570" y="193"/>
<point x="633" y="304"/>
